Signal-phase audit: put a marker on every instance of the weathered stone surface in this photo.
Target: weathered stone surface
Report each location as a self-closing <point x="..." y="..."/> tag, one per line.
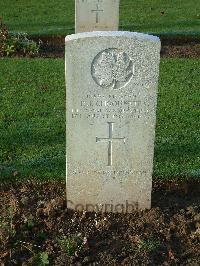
<point x="111" y="80"/>
<point x="94" y="15"/>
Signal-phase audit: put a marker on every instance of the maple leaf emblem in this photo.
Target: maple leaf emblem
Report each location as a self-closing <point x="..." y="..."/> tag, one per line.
<point x="112" y="69"/>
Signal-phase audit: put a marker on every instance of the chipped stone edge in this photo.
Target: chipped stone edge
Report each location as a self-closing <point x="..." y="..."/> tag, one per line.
<point x="127" y="34"/>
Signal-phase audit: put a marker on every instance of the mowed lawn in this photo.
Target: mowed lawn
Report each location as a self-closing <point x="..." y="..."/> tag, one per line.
<point x="32" y="119"/>
<point x="57" y="17"/>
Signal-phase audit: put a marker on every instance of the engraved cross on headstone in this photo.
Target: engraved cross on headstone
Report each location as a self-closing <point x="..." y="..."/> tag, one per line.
<point x="97" y="10"/>
<point x="110" y="140"/>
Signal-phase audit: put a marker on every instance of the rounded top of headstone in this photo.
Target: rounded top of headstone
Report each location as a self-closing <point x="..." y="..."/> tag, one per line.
<point x="125" y="34"/>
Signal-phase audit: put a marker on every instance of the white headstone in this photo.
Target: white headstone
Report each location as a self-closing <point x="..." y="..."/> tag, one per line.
<point x="94" y="15"/>
<point x="111" y="80"/>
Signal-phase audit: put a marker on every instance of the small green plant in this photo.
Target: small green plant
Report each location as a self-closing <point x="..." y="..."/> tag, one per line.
<point x="42" y="235"/>
<point x="10" y="49"/>
<point x="30" y="221"/>
<point x="149" y="245"/>
<point x="16" y="43"/>
<point x="72" y="246"/>
<point x="41" y="259"/>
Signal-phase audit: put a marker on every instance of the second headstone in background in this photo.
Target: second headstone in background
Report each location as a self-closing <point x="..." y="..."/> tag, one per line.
<point x="95" y="15"/>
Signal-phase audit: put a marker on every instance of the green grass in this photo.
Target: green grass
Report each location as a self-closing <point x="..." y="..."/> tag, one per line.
<point x="57" y="17"/>
<point x="177" y="149"/>
<point x="32" y="119"/>
<point x="180" y="16"/>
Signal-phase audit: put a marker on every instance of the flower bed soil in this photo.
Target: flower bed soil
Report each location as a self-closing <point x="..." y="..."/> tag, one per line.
<point x="177" y="47"/>
<point x="34" y="219"/>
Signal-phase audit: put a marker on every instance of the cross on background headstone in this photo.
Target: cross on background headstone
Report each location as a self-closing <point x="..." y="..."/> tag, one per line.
<point x="110" y="140"/>
<point x="97" y="10"/>
<point x="96" y="15"/>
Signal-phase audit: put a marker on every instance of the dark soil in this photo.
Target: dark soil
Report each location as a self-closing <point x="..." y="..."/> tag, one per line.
<point x="180" y="51"/>
<point x="173" y="47"/>
<point x="167" y="51"/>
<point x="36" y="227"/>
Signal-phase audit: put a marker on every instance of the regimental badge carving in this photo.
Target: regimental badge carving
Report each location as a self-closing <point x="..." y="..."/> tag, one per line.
<point x="112" y="69"/>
